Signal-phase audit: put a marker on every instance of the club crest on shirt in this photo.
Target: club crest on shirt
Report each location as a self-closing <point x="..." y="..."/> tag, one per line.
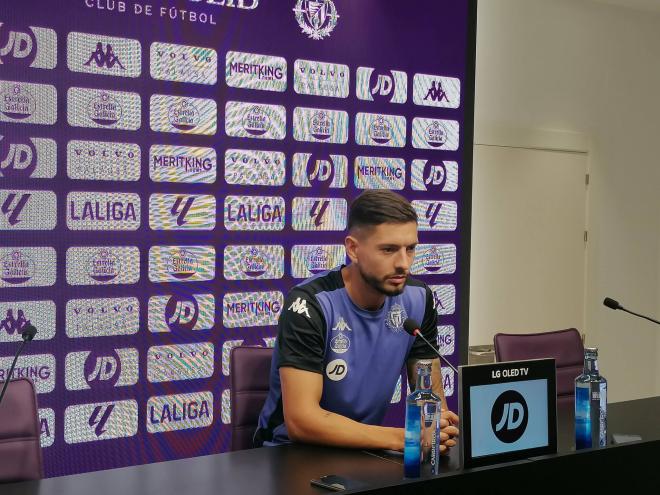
<point x="340" y="343"/>
<point x="395" y="318"/>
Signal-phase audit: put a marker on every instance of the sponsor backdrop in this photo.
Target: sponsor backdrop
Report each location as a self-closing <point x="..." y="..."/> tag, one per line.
<point x="170" y="168"/>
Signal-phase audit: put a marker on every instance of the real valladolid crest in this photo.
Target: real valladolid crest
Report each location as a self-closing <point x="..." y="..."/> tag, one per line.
<point x="316" y="18"/>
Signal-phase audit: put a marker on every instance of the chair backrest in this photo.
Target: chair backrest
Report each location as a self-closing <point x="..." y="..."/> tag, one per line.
<point x="250" y="375"/>
<point x="565" y="346"/>
<point x="20" y="450"/>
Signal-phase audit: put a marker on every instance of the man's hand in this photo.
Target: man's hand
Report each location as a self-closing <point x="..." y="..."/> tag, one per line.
<point x="448" y="431"/>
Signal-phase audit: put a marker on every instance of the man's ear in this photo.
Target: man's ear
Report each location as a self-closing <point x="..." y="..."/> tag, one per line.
<point x="351" y="244"/>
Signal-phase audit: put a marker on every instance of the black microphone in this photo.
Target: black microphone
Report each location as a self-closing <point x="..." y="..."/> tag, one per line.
<point x="412" y="328"/>
<point x="612" y="304"/>
<point x="28" y="333"/>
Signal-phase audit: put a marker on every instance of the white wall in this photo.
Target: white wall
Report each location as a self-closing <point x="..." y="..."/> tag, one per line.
<point x="592" y="68"/>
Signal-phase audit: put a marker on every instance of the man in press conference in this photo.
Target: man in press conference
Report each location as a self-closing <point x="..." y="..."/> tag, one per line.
<point x="341" y="345"/>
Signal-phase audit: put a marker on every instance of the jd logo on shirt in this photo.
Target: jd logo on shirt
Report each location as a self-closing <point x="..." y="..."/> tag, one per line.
<point x="336" y="370"/>
<point x="509" y="416"/>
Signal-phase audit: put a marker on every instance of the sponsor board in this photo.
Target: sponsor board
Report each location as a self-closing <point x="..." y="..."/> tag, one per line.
<point x="321" y="79"/>
<point x="253" y="71"/>
<point x="185" y="164"/>
<point x="316" y="125"/>
<point x="103" y="317"/>
<point x="434" y="259"/>
<point x="436" y="91"/>
<point x="436" y="215"/>
<point x="254" y="213"/>
<point x="183" y="63"/>
<point x="435" y="134"/>
<point x="27" y="210"/>
<point x="103" y="211"/>
<point x="28" y="103"/>
<point x="100" y="160"/>
<point x="104" y="109"/>
<point x="308" y="260"/>
<point x="106" y="55"/>
<point x="179" y="412"/>
<point x="22" y="158"/>
<point x="380" y="173"/>
<point x="181" y="263"/>
<point x="85" y="370"/>
<point x="375" y="129"/>
<point x="179" y="312"/>
<point x="311" y="170"/>
<point x="34" y="47"/>
<point x="102" y="265"/>
<point x="251" y="309"/>
<point x="264" y="262"/>
<point x="181" y="212"/>
<point x="100" y="421"/>
<point x="319" y="214"/>
<point x="390" y="86"/>
<point x="183" y="115"/>
<point x="255" y="167"/>
<point x="15" y="315"/>
<point x="27" y="267"/>
<point x="428" y="175"/>
<point x="170" y="363"/>
<point x="254" y="120"/>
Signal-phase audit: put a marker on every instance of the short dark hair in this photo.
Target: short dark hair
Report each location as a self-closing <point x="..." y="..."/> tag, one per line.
<point x="377" y="206"/>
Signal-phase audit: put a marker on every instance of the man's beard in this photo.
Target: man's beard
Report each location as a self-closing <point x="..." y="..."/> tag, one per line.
<point x="379" y="285"/>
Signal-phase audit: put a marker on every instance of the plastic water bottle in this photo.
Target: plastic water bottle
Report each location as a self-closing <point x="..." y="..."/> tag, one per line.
<point x="422" y="431"/>
<point x="590" y="404"/>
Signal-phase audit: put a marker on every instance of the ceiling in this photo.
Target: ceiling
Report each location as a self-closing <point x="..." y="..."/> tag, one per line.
<point x="649" y="5"/>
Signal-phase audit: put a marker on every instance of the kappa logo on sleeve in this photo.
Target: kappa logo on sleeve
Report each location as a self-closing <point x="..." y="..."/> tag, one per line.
<point x="299" y="306"/>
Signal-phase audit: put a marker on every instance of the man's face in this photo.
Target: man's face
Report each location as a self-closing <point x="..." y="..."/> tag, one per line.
<point x="384" y="254"/>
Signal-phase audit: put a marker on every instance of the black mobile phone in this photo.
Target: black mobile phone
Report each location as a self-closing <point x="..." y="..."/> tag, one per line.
<point x="337" y="483"/>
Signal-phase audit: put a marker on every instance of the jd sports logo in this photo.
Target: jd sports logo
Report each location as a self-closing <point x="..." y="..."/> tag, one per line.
<point x="181" y="313"/>
<point x="509" y="416"/>
<point x="322" y="171"/>
<point x="102" y="370"/>
<point x="300" y="306"/>
<point x="13" y="206"/>
<point x="19" y="160"/>
<point x="336" y="370"/>
<point x="99" y="418"/>
<point x="436" y="176"/>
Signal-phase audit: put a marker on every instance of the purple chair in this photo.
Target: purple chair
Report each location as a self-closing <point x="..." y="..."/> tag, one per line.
<point x="20" y="450"/>
<point x="250" y="376"/>
<point x="565" y="346"/>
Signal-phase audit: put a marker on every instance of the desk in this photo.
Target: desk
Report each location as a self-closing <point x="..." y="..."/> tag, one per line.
<point x="288" y="469"/>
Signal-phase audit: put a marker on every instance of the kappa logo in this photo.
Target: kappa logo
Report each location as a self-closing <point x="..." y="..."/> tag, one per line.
<point x="316" y="18"/>
<point x="395" y="317"/>
<point x="336" y="370"/>
<point x="341" y="326"/>
<point x="300" y="306"/>
<point x="34" y="47"/>
<point x="436" y="93"/>
<point x="14" y="324"/>
<point x="106" y="58"/>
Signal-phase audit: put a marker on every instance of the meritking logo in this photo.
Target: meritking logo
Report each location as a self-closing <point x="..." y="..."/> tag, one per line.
<point x="87" y="370"/>
<point x="34" y="47"/>
<point x="252" y="309"/>
<point x="316" y="18"/>
<point x="100" y="421"/>
<point x="254" y="71"/>
<point x="181" y="313"/>
<point x="182" y="164"/>
<point x="40" y="368"/>
<point x="380" y="173"/>
<point x="169" y="363"/>
<point x="23" y="157"/>
<point x="103" y="265"/>
<point x="103" y="317"/>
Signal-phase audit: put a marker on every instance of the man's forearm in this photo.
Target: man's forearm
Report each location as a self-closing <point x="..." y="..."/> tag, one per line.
<point x="327" y="428"/>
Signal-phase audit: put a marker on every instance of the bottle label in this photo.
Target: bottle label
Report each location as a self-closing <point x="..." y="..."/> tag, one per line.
<point x="412" y="443"/>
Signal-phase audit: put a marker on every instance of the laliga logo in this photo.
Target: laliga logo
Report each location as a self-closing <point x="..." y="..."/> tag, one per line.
<point x="509" y="416"/>
<point x="316" y="18"/>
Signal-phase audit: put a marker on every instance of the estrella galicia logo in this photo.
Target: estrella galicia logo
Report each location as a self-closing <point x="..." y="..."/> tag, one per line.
<point x="181" y="313"/>
<point x="316" y="18"/>
<point x="321" y="126"/>
<point x="436" y="134"/>
<point x="183" y="115"/>
<point x="380" y="130"/>
<point x="17" y="267"/>
<point x="34" y="47"/>
<point x="104" y="110"/>
<point x="509" y="416"/>
<point x="254" y="263"/>
<point x="104" y="266"/>
<point x="256" y="121"/>
<point x="18" y="103"/>
<point x="395" y="317"/>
